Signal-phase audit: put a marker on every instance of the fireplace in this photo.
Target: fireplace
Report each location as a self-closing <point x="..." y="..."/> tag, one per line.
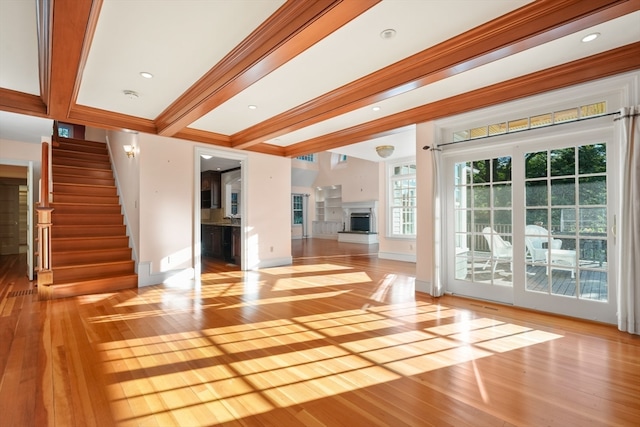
<point x="360" y="222"/>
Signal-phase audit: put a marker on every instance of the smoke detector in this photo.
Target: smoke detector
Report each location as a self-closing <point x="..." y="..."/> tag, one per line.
<point x="131" y="94"/>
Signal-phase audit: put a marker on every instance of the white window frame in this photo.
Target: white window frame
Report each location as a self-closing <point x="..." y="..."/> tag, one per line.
<point x="294" y="210"/>
<point x="391" y="179"/>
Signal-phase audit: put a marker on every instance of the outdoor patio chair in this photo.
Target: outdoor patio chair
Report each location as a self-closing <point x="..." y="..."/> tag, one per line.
<point x="501" y="250"/>
<point x="536" y="238"/>
<point x="556" y="257"/>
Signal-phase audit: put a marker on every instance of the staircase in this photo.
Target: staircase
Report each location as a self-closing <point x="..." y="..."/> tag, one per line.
<point x="89" y="247"/>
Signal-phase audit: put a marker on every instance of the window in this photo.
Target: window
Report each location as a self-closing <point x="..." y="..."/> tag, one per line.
<point x="307" y="158"/>
<point x="65" y="131"/>
<point x="234" y="203"/>
<point x="402" y="199"/>
<point x="296" y="208"/>
<point x="541" y="120"/>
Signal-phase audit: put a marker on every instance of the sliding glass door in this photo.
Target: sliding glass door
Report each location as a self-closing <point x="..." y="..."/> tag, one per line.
<point x="530" y="224"/>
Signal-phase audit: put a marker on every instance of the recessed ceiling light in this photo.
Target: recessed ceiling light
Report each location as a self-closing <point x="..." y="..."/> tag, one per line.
<point x="389" y="33"/>
<point x="252" y="107"/>
<point x="590" y="37"/>
<point x="206" y="156"/>
<point x="376" y="108"/>
<point x="131" y="94"/>
<point x="146" y="75"/>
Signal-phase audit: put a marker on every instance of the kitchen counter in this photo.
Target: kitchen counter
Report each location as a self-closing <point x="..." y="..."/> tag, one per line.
<point x="219" y="223"/>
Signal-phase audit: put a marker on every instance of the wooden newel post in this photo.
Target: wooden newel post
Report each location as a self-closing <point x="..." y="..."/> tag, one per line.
<point x="45" y="274"/>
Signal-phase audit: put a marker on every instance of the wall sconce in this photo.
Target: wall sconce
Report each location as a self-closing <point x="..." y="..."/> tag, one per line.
<point x="130" y="150"/>
<point x="384" y="151"/>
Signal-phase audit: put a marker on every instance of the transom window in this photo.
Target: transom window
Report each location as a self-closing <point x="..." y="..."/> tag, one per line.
<point x="539" y="120"/>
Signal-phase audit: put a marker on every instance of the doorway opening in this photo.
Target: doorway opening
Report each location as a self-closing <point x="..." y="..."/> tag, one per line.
<point x="16" y="212"/>
<point x="219" y="212"/>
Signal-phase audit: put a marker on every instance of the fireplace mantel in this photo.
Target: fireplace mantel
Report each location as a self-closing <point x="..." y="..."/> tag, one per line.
<point x="366" y="205"/>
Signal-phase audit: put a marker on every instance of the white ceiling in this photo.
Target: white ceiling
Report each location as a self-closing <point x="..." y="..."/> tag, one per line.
<point x="179" y="41"/>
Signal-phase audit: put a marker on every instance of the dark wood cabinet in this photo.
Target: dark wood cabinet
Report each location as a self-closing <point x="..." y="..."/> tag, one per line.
<point x="235" y="245"/>
<point x="212" y="240"/>
<point x="217" y="241"/>
<point x="210" y="190"/>
<point x="221" y="242"/>
<point x="207" y="239"/>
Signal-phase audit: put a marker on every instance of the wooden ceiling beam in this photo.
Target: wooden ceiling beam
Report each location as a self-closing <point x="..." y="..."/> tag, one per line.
<point x="292" y="29"/>
<point x="524" y="28"/>
<point x="204" y="136"/>
<point x="96" y="117"/>
<point x="73" y="26"/>
<point x="595" y="67"/>
<point x="22" y="103"/>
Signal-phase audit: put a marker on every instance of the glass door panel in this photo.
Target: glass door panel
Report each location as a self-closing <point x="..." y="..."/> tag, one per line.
<point x="483" y="228"/>
<point x="566" y="222"/>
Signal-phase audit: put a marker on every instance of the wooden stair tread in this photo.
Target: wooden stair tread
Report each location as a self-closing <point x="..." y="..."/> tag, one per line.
<point x="82" y="205"/>
<point x="71" y="154"/>
<point x="65" y="184"/>
<point x="80" y="169"/>
<point x="80" y="239"/>
<point x="85" y="142"/>
<point x="93" y="264"/>
<point x="70" y="175"/>
<point x="81" y="243"/>
<point x="104" y="166"/>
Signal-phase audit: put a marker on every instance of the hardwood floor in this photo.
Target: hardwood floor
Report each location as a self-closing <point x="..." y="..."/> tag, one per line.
<point x="336" y="340"/>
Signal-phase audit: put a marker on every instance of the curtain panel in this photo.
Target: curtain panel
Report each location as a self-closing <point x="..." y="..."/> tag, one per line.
<point x="628" y="228"/>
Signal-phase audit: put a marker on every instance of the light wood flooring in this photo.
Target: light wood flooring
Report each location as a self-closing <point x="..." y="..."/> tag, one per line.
<point x="339" y="338"/>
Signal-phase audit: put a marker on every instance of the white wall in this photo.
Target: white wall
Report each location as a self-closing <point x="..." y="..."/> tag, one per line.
<point x="127" y="174"/>
<point x="358" y="178"/>
<point x="425" y="237"/>
<point x="158" y="192"/>
<point x="166" y="203"/>
<point x="269" y="211"/>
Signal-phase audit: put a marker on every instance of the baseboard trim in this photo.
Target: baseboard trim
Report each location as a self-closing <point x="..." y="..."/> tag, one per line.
<point x="146" y="278"/>
<point x="397" y="256"/>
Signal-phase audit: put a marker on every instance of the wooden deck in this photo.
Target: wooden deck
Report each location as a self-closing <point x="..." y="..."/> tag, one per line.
<point x="592" y="278"/>
<point x="336" y="340"/>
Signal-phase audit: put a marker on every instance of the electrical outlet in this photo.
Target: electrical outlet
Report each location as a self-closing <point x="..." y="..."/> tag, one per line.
<point x="271" y="249"/>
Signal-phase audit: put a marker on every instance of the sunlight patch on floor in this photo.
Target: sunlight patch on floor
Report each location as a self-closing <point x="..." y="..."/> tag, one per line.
<point x="244" y="369"/>
<point x="306" y="268"/>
